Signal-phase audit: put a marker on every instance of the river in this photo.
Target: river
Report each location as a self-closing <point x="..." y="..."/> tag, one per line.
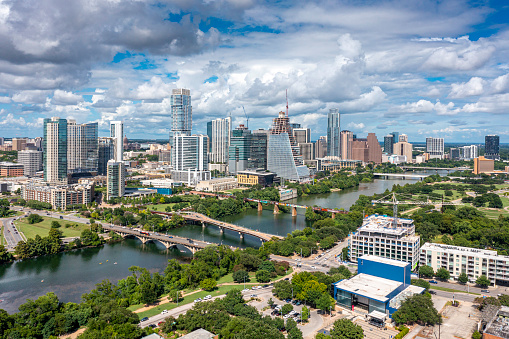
<point x="73" y="273"/>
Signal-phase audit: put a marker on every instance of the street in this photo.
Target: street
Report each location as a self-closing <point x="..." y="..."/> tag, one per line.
<point x="11" y="234"/>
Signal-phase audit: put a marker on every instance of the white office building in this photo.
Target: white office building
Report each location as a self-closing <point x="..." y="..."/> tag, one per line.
<point x="473" y="261"/>
<point x="221" y="136"/>
<point x="82" y="147"/>
<point x="117" y="132"/>
<point x="31" y="161"/>
<point x="435" y="147"/>
<point x="378" y="236"/>
<point x="469" y="152"/>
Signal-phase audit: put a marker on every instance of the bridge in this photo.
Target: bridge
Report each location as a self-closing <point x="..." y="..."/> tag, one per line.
<point x="402" y="175"/>
<point x="410" y="168"/>
<point x="294" y="207"/>
<point x="204" y="220"/>
<point x="167" y="240"/>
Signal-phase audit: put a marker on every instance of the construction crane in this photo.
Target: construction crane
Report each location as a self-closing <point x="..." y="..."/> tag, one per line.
<point x="395" y="202"/>
<point x="247" y="118"/>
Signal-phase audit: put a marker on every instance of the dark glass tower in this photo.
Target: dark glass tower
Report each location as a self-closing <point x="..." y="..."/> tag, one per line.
<point x="491" y="147"/>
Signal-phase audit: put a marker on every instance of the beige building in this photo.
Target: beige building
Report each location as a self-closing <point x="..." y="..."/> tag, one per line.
<point x="346" y="144"/>
<point x="18" y="144"/>
<point x="59" y="196"/>
<point x="217" y="185"/>
<point x="367" y="149"/>
<point x="483" y="165"/>
<point x="307" y="150"/>
<point x="403" y="148"/>
<point x="252" y="178"/>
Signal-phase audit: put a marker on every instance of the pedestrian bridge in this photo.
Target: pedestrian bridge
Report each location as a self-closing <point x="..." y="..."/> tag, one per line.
<point x="402" y="175"/>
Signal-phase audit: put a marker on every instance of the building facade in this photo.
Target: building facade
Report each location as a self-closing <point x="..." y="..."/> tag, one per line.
<point x="404" y="148"/>
<point x="181" y="113"/>
<point x="117" y="133"/>
<point x="59" y="196"/>
<point x="54" y="147"/>
<point x="302" y="135"/>
<point x="18" y="144"/>
<point x="367" y="149"/>
<point x="333" y="129"/>
<point x="31" y="161"/>
<point x="491" y="147"/>
<point x="346" y="145"/>
<point x="378" y="236"/>
<point x="388" y="143"/>
<point x="335" y="164"/>
<point x="435" y="148"/>
<point x="321" y="147"/>
<point x="469" y="152"/>
<point x="221" y="135"/>
<point x="115" y="185"/>
<point x="217" y="185"/>
<point x="105" y="153"/>
<point x="240" y="149"/>
<point x="190" y="152"/>
<point x="307" y="150"/>
<point x="254" y="177"/>
<point x="82" y="147"/>
<point x="258" y="149"/>
<point x="483" y="165"/>
<point x="10" y="169"/>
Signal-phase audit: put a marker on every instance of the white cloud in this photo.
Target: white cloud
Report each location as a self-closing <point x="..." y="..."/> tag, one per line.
<point x="365" y="102"/>
<point x="356" y="126"/>
<point x="454" y="58"/>
<point x="421" y="106"/>
<point x="500" y="84"/>
<point x="31" y="96"/>
<point x="475" y="86"/>
<point x="65" y="98"/>
<point x="4" y="100"/>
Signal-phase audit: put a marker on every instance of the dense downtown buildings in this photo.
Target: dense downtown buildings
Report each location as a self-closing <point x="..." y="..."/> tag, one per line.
<point x="117" y="133"/>
<point x="181" y="113"/>
<point x="31" y="161"/>
<point x="115" y="187"/>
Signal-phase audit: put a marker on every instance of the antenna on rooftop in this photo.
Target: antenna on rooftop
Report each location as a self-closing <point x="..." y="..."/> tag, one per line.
<point x="247" y="118"/>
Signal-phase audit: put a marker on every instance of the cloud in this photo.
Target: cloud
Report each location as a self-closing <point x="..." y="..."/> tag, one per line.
<point x="31" y="96"/>
<point x="475" y="86"/>
<point x="421" y="122"/>
<point x="500" y="84"/>
<point x="457" y="122"/>
<point x="458" y="58"/>
<point x="4" y="100"/>
<point x="425" y="106"/>
<point x="356" y="126"/>
<point x="65" y="98"/>
<point x="365" y="102"/>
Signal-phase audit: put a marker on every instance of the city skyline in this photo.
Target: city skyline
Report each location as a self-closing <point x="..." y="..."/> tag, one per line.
<point x="435" y="70"/>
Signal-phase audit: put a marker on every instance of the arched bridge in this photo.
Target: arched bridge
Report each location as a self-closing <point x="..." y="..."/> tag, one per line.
<point x="204" y="220"/>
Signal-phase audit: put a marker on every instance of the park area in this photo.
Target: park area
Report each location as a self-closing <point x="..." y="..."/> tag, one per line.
<point x="43" y="227"/>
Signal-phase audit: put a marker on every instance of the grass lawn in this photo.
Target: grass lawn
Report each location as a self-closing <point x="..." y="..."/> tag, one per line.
<point x="493" y="214"/>
<point x="505" y="201"/>
<point x="160" y="207"/>
<point x="42" y="228"/>
<point x="445" y="289"/>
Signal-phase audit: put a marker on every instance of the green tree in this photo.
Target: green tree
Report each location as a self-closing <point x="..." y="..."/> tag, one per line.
<point x="443" y="274"/>
<point x="240" y="275"/>
<point x="426" y="271"/>
<point x="270" y="302"/>
<point x="287" y="308"/>
<point x="55" y="224"/>
<point x="463" y="278"/>
<point x="476" y="335"/>
<point x="421" y="283"/>
<point x="483" y="281"/>
<point x="325" y="302"/>
<point x="305" y="314"/>
<point x="417" y="308"/>
<point x="283" y="289"/>
<point x="34" y="218"/>
<point x="262" y="276"/>
<point x="346" y="329"/>
<point x="208" y="284"/>
<point x="4" y="255"/>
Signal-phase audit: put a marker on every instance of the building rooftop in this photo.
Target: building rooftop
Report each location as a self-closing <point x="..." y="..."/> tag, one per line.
<point x="384" y="260"/>
<point x="256" y="172"/>
<point x="499" y="326"/>
<point x="369" y="286"/>
<point x="199" y="334"/>
<point x="383" y="224"/>
<point x="153" y="336"/>
<point x="407" y="292"/>
<point x="462" y="250"/>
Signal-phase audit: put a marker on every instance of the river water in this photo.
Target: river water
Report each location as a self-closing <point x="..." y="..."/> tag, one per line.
<point x="71" y="274"/>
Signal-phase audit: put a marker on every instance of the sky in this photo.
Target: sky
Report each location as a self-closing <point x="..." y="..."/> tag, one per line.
<point x="423" y="68"/>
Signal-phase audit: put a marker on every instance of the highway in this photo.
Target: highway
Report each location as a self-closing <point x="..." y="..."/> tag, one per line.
<point x="11" y="234"/>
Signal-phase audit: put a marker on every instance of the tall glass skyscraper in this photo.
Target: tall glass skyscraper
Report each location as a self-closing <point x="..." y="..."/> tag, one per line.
<point x="106" y="152"/>
<point x="239" y="150"/>
<point x="221" y="134"/>
<point x="117" y="133"/>
<point x="54" y="146"/>
<point x="81" y="147"/>
<point x="333" y="133"/>
<point x="181" y="113"/>
<point x="491" y="147"/>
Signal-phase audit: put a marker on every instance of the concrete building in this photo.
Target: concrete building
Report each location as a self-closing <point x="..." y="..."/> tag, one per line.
<point x="307" y="150"/>
<point x="335" y="164"/>
<point x="82" y="147"/>
<point x="469" y="152"/>
<point x="498" y="325"/>
<point x="181" y="113"/>
<point x="473" y="261"/>
<point x="287" y="194"/>
<point x="367" y="149"/>
<point x="346" y="145"/>
<point x="239" y="150"/>
<point x="302" y="135"/>
<point x="333" y="129"/>
<point x="31" y="161"/>
<point x="435" y="148"/>
<point x="165" y="156"/>
<point x="217" y="185"/>
<point x="255" y="177"/>
<point x="258" y="149"/>
<point x="321" y="147"/>
<point x="483" y="165"/>
<point x="190" y="177"/>
<point x="59" y="196"/>
<point x="455" y="153"/>
<point x="117" y="133"/>
<point x="54" y="147"/>
<point x="395" y="159"/>
<point x="115" y="186"/>
<point x="379" y="288"/>
<point x="190" y="152"/>
<point x="491" y="147"/>
<point x="378" y="236"/>
<point x="10" y="169"/>
<point x="105" y="153"/>
<point x="221" y="135"/>
<point x="404" y="148"/>
<point x="18" y="144"/>
<point x="402" y="138"/>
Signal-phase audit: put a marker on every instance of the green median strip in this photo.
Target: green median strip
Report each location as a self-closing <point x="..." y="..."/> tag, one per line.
<point x="445" y="289"/>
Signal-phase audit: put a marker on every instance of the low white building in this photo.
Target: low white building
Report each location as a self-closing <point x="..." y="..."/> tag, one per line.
<point x="217" y="185"/>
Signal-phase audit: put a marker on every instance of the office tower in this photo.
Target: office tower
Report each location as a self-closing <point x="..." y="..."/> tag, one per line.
<point x="221" y="134"/>
<point x="403" y="148"/>
<point x="435" y="147"/>
<point x="402" y="138"/>
<point x="302" y="135"/>
<point x="321" y="147"/>
<point x="82" y="153"/>
<point x="1" y="141"/>
<point x="31" y="161"/>
<point x="367" y="149"/>
<point x="469" y="152"/>
<point x="106" y="152"/>
<point x="239" y="150"/>
<point x="294" y="125"/>
<point x="346" y="145"/>
<point x="209" y="134"/>
<point x="115" y="179"/>
<point x="54" y="147"/>
<point x="307" y="150"/>
<point x="19" y="144"/>
<point x="181" y="113"/>
<point x="333" y="129"/>
<point x="190" y="152"/>
<point x="396" y="137"/>
<point x="258" y="149"/>
<point x="117" y="132"/>
<point x="491" y="147"/>
<point x="388" y="143"/>
<point x="455" y="153"/>
<point x="283" y="156"/>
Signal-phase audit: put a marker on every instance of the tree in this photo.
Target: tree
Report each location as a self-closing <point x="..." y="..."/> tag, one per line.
<point x="34" y="218"/>
<point x="287" y="308"/>
<point x="262" y="276"/>
<point x="483" y="281"/>
<point x="208" y="284"/>
<point x="240" y="275"/>
<point x="417" y="308"/>
<point x="463" y="278"/>
<point x="270" y="302"/>
<point x="426" y="271"/>
<point x="305" y="314"/>
<point x="55" y="224"/>
<point x="443" y="274"/>
<point x="283" y="289"/>
<point x="476" y="335"/>
<point x="268" y="266"/>
<point x="421" y="283"/>
<point x="346" y="329"/>
<point x="325" y="302"/>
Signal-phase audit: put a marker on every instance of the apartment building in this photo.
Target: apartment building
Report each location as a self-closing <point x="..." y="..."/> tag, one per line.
<point x="473" y="261"/>
<point x="59" y="196"/>
<point x="378" y="236"/>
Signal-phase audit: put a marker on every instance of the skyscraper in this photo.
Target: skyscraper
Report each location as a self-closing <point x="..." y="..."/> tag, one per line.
<point x="55" y="150"/>
<point x="333" y="129"/>
<point x="367" y="149"/>
<point x="117" y="133"/>
<point x="403" y="148"/>
<point x="396" y="137"/>
<point x="491" y="147"/>
<point x="190" y="152"/>
<point x="435" y="147"/>
<point x="115" y="180"/>
<point x="106" y="152"/>
<point x="239" y="150"/>
<point x="388" y="144"/>
<point x="181" y="113"/>
<point x="82" y="145"/>
<point x="346" y="145"/>
<point x="258" y="149"/>
<point x="283" y="156"/>
<point x="321" y="147"/>
<point x="302" y="135"/>
<point x="221" y="134"/>
<point x="469" y="152"/>
<point x="209" y="134"/>
<point x="31" y="161"/>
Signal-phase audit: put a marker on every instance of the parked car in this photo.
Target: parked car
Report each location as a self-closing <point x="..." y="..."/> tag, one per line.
<point x="164" y="312"/>
<point x="152" y="326"/>
<point x="287" y="279"/>
<point x="144" y="319"/>
<point x="433" y="282"/>
<point x="197" y="300"/>
<point x="294" y="302"/>
<point x="432" y="292"/>
<point x="313" y="267"/>
<point x="207" y="297"/>
<point x="485" y="291"/>
<point x="273" y="306"/>
<point x="246" y="290"/>
<point x="288" y="300"/>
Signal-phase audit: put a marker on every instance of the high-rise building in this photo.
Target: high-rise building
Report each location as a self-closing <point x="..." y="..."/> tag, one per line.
<point x="435" y="147"/>
<point x="302" y="135"/>
<point x="82" y="148"/>
<point x="209" y="134"/>
<point x="106" y="152"/>
<point x="367" y="149"/>
<point x="19" y="144"/>
<point x="454" y="153"/>
<point x="181" y="113"/>
<point x="395" y="137"/>
<point x="346" y="145"/>
<point x="294" y="125"/>
<point x="469" y="152"/>
<point x="239" y="150"/>
<point x="491" y="147"/>
<point x="402" y="138"/>
<point x="333" y="129"/>
<point x="31" y="161"/>
<point x="388" y="143"/>
<point x="283" y="155"/>
<point x="54" y="147"/>
<point x="404" y="148"/>
<point x="221" y="135"/>
<point x="321" y="147"/>
<point x="115" y="179"/>
<point x="307" y="150"/>
<point x="190" y="152"/>
<point x="117" y="133"/>
<point x="258" y="149"/>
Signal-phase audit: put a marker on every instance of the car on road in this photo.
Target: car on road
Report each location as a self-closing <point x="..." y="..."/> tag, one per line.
<point x="265" y="286"/>
<point x="287" y="279"/>
<point x="160" y="323"/>
<point x="253" y="288"/>
<point x="164" y="312"/>
<point x="485" y="291"/>
<point x="313" y="267"/>
<point x="144" y="319"/>
<point x="170" y="237"/>
<point x="288" y="300"/>
<point x="432" y="292"/>
<point x="152" y="325"/>
<point x="253" y="295"/>
<point x="246" y="290"/>
<point x="297" y="320"/>
<point x="197" y="300"/>
<point x="433" y="282"/>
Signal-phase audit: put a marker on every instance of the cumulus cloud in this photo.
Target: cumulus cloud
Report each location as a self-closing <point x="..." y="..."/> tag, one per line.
<point x="425" y="106"/>
<point x="365" y="102"/>
<point x="459" y="57"/>
<point x="500" y="84"/>
<point x="475" y="86"/>
<point x="356" y="126"/>
<point x="65" y="98"/>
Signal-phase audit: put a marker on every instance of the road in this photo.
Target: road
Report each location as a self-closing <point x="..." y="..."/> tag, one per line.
<point x="11" y="234"/>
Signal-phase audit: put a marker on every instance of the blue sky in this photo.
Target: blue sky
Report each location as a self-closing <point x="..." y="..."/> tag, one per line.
<point x="424" y="68"/>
